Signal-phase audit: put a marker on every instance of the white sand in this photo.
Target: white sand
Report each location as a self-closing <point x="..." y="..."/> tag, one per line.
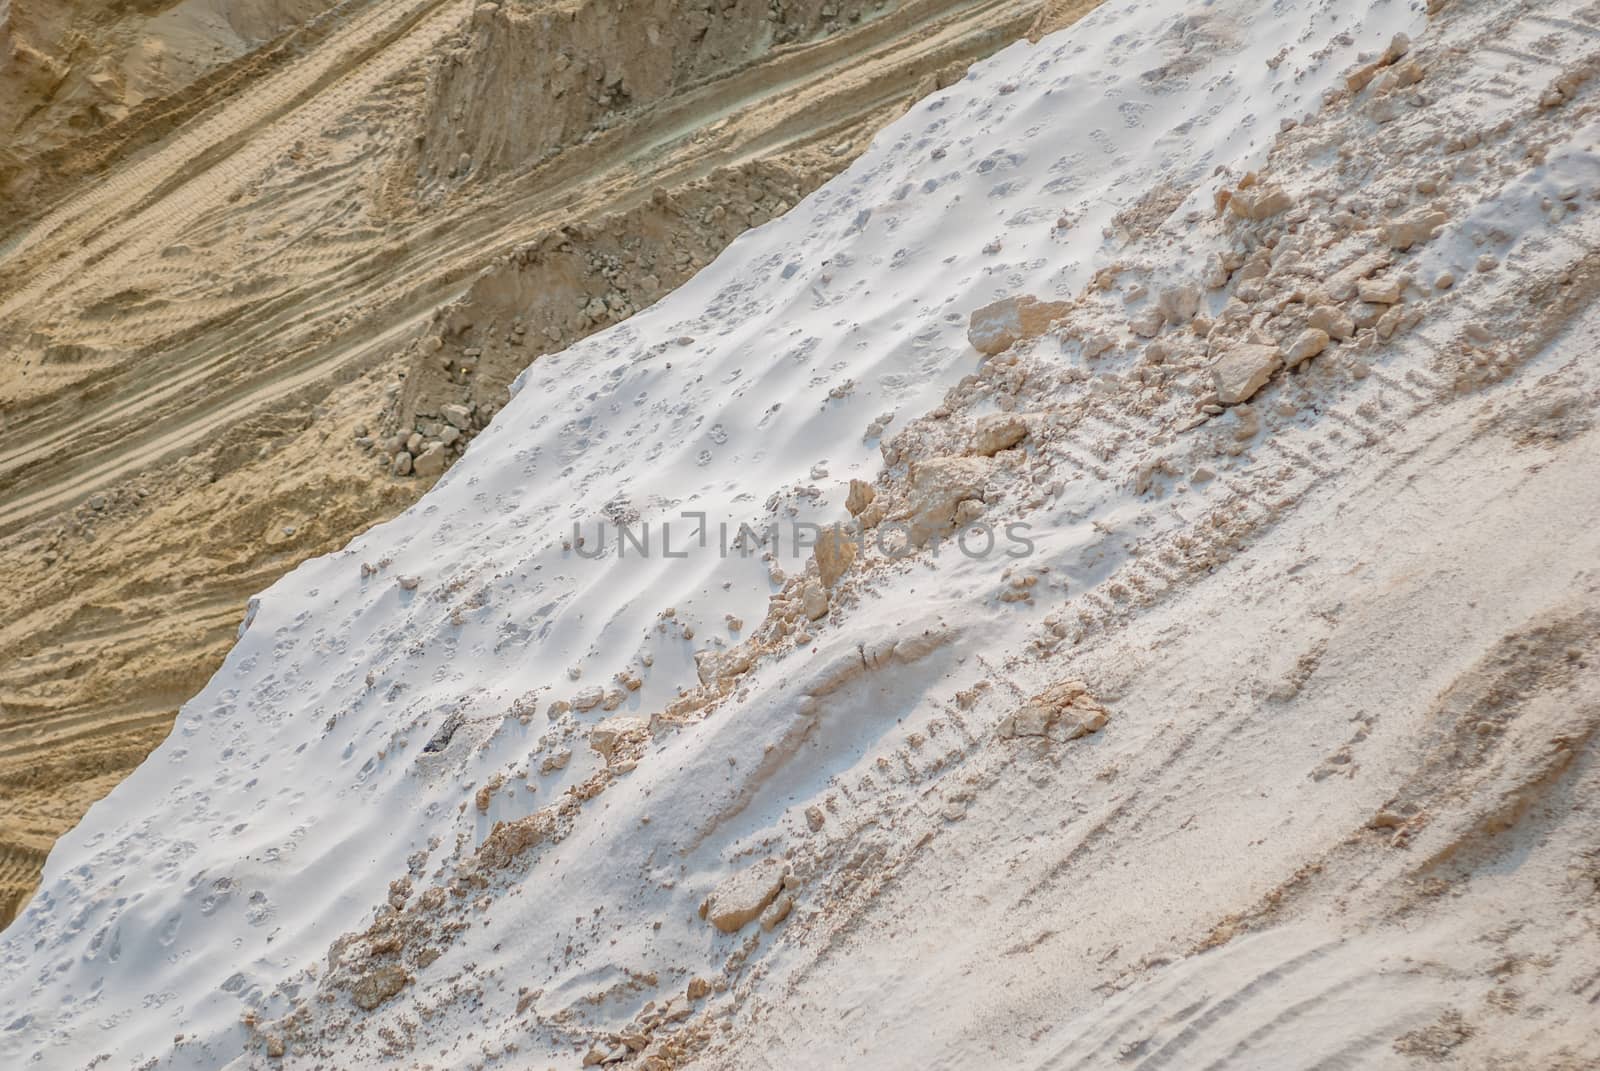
<point x="1335" y="815"/>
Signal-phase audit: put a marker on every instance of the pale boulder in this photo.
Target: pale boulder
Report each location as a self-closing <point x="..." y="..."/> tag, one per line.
<point x="1413" y="230"/>
<point x="1260" y="202"/>
<point x="997" y="432"/>
<point x="378" y="985"/>
<point x="713" y="665"/>
<point x="1382" y="291"/>
<point x="1306" y="345"/>
<point x="834" y="552"/>
<point x="1148" y="322"/>
<point x="742" y="898"/>
<point x="1000" y="325"/>
<point x="813" y="601"/>
<point x="1333" y="321"/>
<point x="777" y="912"/>
<point x="616" y="731"/>
<point x="859" y="497"/>
<point x="1064" y="711"/>
<point x="1179" y="304"/>
<point x="1243" y="369"/>
<point x="1341" y="285"/>
<point x="938" y="486"/>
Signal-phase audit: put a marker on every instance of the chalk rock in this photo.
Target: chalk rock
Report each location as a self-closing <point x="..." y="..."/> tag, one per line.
<point x="1358" y="79"/>
<point x="938" y="486"/>
<point x="1000" y="325"/>
<point x="508" y="840"/>
<point x="713" y="665"/>
<point x="834" y="552"/>
<point x="1385" y="291"/>
<point x="776" y="913"/>
<point x="741" y="898"/>
<point x="1097" y="342"/>
<point x="377" y="986"/>
<point x="1179" y="304"/>
<point x="616" y="731"/>
<point x="1367" y="314"/>
<point x="1413" y="230"/>
<point x="1341" y="285"/>
<point x="1306" y="345"/>
<point x="813" y="600"/>
<point x="997" y="432"/>
<point x="1332" y="320"/>
<point x="1064" y="711"/>
<point x="1260" y="202"/>
<point x="1148" y="322"/>
<point x="860" y="497"/>
<point x="1389" y="322"/>
<point x="1243" y="369"/>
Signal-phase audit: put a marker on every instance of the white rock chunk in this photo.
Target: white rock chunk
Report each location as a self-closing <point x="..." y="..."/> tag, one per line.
<point x="997" y="432"/>
<point x="1243" y="369"/>
<point x="741" y="898"/>
<point x="1306" y="345"/>
<point x="1000" y="325"/>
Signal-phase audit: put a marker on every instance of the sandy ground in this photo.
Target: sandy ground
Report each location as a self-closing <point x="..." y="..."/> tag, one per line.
<point x="79" y="78"/>
<point x="1274" y="326"/>
<point x="238" y="287"/>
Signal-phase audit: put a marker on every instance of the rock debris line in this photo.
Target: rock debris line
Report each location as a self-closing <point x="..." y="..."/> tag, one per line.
<point x="268" y="269"/>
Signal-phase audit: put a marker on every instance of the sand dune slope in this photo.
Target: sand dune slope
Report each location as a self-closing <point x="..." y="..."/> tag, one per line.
<point x="220" y="304"/>
<point x="1119" y="590"/>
